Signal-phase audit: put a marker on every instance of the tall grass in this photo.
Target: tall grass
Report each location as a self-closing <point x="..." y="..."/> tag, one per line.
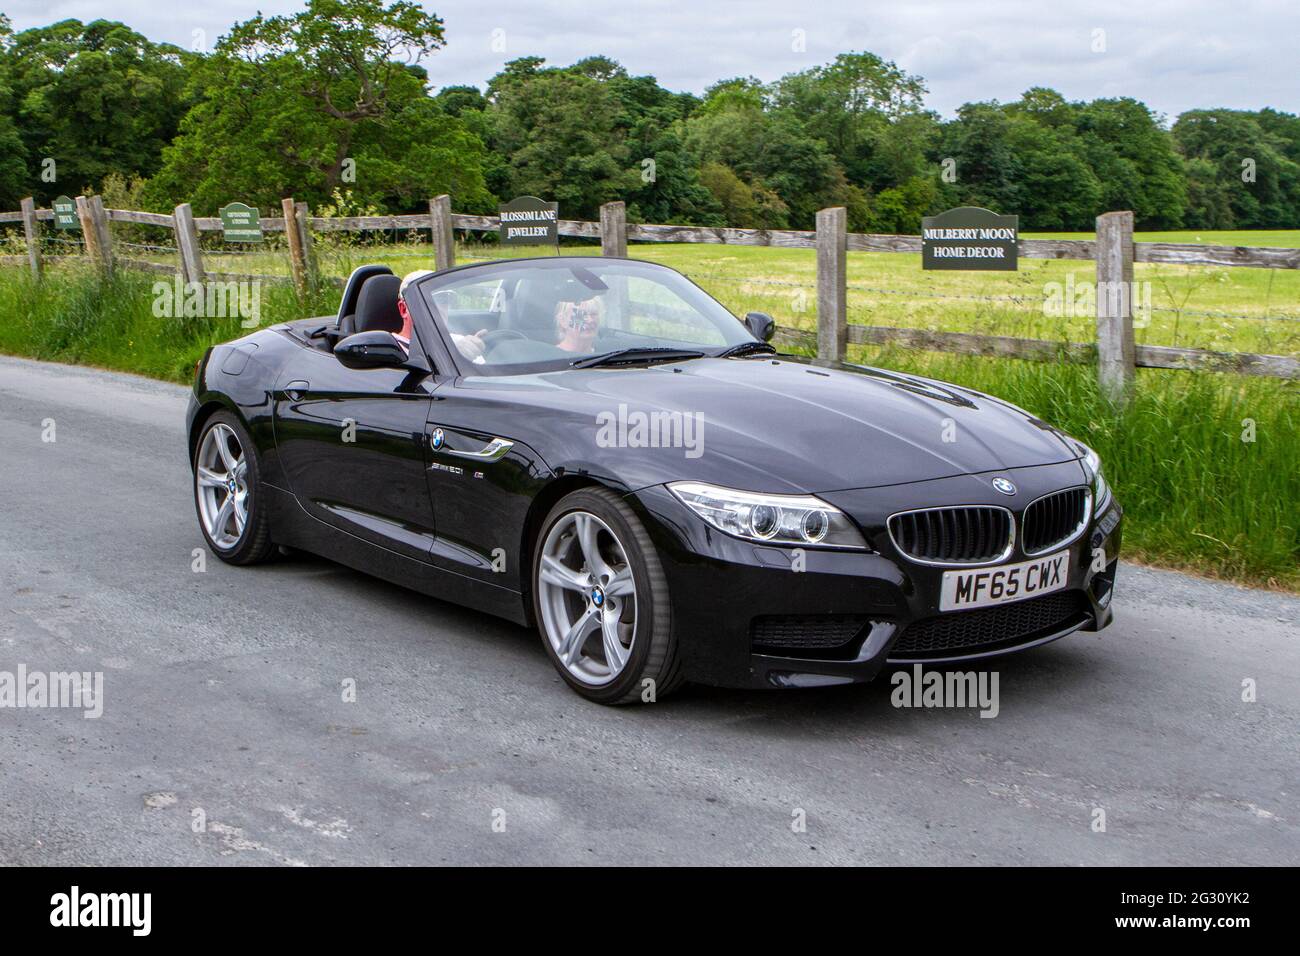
<point x="1196" y="495"/>
<point x="74" y="316"/>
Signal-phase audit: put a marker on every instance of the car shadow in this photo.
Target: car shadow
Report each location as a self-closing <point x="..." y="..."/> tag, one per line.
<point x="1029" y="683"/>
<point x="1033" y="680"/>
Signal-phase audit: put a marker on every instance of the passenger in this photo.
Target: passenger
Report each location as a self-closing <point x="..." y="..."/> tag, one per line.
<point x="578" y="323"/>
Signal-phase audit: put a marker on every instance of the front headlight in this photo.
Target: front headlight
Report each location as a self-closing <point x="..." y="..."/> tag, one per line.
<point x="802" y="520"/>
<point x="1100" y="489"/>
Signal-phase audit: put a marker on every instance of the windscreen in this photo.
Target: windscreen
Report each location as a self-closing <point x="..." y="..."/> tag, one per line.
<point x="535" y="315"/>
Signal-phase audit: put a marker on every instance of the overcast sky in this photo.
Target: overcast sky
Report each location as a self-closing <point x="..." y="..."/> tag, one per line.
<point x="1173" y="54"/>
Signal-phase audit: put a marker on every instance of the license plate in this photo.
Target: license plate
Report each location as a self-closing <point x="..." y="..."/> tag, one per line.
<point x="1008" y="582"/>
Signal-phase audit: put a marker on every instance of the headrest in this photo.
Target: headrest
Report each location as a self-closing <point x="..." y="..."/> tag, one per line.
<point x="377" y="305"/>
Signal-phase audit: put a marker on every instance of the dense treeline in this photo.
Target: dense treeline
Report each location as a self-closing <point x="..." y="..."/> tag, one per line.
<point x="333" y="107"/>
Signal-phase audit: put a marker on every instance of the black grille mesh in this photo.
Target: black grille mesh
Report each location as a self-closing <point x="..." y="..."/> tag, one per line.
<point x="804" y="632"/>
<point x="1005" y="623"/>
<point x="1050" y="520"/>
<point x="957" y="535"/>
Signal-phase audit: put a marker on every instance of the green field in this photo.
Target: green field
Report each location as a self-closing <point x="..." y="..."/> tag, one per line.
<point x="1197" y="496"/>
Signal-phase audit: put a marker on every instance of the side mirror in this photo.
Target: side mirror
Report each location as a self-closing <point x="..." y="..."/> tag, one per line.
<point x="761" y="325"/>
<point x="364" y="350"/>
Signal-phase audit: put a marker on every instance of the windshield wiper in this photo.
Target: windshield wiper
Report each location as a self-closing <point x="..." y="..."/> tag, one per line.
<point x="747" y="348"/>
<point x="637" y="353"/>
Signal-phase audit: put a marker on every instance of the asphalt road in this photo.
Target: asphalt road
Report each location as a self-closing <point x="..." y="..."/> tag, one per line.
<point x="225" y="738"/>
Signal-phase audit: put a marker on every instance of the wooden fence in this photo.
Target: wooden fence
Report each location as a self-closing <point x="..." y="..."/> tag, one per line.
<point x="1113" y="252"/>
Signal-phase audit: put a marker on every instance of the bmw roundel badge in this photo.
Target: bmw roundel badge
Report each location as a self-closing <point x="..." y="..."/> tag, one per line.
<point x="437" y="438"/>
<point x="1004" y="486"/>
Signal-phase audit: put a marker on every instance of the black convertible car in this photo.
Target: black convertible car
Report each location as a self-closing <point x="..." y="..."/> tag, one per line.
<point x="596" y="447"/>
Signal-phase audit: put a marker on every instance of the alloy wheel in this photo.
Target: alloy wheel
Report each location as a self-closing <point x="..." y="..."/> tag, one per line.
<point x="221" y="477"/>
<point x="587" y="597"/>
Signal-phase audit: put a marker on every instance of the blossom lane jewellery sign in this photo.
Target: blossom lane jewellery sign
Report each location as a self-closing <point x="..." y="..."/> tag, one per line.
<point x="969" y="237"/>
<point x="240" y="223"/>
<point x="65" y="213"/>
<point x="529" y="221"/>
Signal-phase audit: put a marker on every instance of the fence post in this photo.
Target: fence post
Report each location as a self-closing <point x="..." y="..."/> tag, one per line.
<point x="444" y="242"/>
<point x="1115" y="347"/>
<point x="91" y="234"/>
<point x="33" y="237"/>
<point x="297" y="254"/>
<point x="832" y="282"/>
<point x="187" y="243"/>
<point x="103" y="235"/>
<point x="613" y="229"/>
<point x="300" y="215"/>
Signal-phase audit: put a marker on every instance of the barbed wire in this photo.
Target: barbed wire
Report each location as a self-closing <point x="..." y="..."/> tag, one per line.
<point x="954" y="296"/>
<point x="225" y="251"/>
<point x="143" y="245"/>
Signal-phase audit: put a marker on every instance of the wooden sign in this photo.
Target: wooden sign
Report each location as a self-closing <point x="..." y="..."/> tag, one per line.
<point x="65" y="213"/>
<point x="529" y="221"/>
<point x="969" y="237"/>
<point x="240" y="223"/>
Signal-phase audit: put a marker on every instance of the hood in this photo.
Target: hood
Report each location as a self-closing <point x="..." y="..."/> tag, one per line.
<point x="765" y="424"/>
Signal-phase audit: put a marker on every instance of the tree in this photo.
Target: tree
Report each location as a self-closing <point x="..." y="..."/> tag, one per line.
<point x="455" y="100"/>
<point x="558" y="130"/>
<point x="743" y="205"/>
<point x="1133" y="159"/>
<point x="669" y="188"/>
<point x="988" y="167"/>
<point x="1251" y="166"/>
<point x="94" y="98"/>
<point x="331" y="96"/>
<point x="14" y="178"/>
<point x="771" y="152"/>
<point x="867" y="111"/>
<point x="900" y="209"/>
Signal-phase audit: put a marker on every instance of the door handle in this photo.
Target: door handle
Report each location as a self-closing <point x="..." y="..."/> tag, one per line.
<point x="494" y="450"/>
<point x="296" y="390"/>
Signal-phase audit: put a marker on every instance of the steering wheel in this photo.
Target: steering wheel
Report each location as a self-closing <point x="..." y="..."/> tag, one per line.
<point x="493" y="336"/>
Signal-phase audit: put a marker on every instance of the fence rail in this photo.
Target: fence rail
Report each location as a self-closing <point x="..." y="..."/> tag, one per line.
<point x="1114" y="252"/>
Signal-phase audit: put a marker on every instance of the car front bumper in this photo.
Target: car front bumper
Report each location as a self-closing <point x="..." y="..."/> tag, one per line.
<point x="750" y="615"/>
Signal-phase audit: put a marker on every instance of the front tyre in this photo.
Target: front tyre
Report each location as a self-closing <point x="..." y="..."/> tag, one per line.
<point x="228" y="494"/>
<point x="601" y="601"/>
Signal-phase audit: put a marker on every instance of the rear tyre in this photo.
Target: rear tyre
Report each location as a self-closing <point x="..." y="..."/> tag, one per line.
<point x="601" y="601"/>
<point x="228" y="493"/>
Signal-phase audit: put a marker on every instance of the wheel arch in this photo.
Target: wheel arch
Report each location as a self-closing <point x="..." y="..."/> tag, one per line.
<point x="208" y="407"/>
<point x="541" y="506"/>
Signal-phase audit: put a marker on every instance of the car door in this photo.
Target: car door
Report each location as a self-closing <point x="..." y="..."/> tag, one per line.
<point x="353" y="449"/>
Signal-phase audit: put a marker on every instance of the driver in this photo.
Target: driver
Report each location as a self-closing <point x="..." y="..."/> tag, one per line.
<point x="578" y="323"/>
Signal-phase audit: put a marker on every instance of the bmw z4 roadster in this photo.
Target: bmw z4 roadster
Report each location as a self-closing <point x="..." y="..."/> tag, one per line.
<point x="597" y="448"/>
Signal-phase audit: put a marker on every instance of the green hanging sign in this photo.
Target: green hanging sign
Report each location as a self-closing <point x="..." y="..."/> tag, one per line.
<point x="240" y="223"/>
<point x="65" y="213"/>
<point x="529" y="221"/>
<point x="969" y="237"/>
